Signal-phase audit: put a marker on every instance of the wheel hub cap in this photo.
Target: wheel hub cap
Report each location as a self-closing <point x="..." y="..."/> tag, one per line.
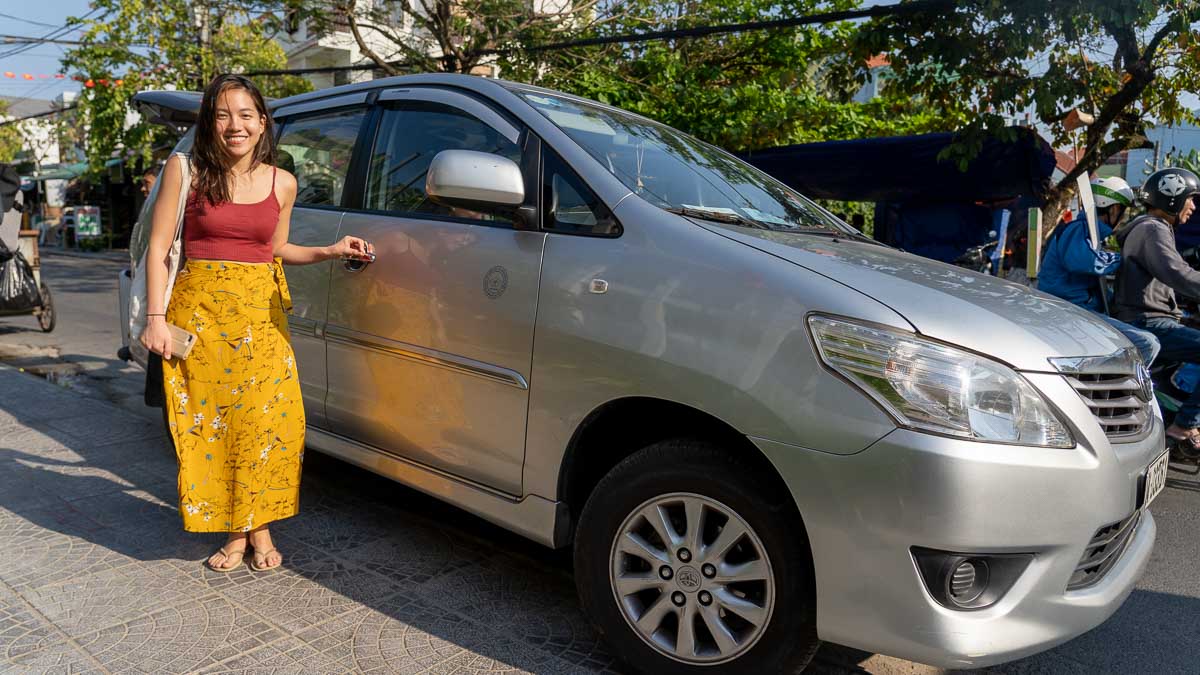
<point x="692" y="578"/>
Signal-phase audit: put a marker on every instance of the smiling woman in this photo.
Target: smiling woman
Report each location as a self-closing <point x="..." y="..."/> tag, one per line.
<point x="233" y="403"/>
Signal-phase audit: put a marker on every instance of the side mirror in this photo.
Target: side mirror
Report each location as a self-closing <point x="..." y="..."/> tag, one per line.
<point x="478" y="181"/>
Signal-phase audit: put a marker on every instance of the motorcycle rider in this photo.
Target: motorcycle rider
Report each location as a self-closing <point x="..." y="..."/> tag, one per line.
<point x="1151" y="274"/>
<point x="1072" y="267"/>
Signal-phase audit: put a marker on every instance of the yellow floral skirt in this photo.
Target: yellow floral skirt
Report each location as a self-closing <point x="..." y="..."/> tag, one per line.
<point x="233" y="405"/>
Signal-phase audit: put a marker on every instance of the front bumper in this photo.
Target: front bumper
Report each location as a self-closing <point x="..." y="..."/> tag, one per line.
<point x="864" y="512"/>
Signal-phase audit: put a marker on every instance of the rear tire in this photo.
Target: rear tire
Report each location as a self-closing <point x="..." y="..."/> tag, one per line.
<point x="46" y="317"/>
<point x="732" y="591"/>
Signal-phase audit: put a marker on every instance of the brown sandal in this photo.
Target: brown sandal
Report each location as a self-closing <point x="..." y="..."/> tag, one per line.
<point x="228" y="555"/>
<point x="263" y="554"/>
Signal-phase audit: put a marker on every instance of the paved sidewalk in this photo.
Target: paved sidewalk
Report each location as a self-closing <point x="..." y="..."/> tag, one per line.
<point x="97" y="576"/>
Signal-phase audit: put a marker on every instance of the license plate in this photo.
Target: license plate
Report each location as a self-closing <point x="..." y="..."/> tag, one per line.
<point x="1155" y="479"/>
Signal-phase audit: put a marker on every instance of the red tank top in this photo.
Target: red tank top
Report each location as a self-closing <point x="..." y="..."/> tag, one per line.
<point x="231" y="231"/>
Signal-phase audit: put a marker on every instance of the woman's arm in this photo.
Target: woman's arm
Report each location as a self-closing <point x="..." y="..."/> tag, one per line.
<point x="293" y="254"/>
<point x="156" y="338"/>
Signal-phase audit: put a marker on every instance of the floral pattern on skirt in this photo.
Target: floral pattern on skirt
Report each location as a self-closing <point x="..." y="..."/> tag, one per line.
<point x="234" y="406"/>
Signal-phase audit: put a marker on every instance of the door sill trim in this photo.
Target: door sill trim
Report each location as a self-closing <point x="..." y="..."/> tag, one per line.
<point x="530" y="516"/>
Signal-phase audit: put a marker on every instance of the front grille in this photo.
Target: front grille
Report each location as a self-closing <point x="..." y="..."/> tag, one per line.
<point x="1114" y="401"/>
<point x="1103" y="551"/>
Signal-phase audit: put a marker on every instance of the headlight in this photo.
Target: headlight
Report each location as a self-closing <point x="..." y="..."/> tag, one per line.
<point x="932" y="387"/>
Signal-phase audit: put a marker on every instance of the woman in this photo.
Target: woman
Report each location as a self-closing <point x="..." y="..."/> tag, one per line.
<point x="233" y="405"/>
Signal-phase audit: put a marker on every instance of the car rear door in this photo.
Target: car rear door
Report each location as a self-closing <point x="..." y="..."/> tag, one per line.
<point x="316" y="143"/>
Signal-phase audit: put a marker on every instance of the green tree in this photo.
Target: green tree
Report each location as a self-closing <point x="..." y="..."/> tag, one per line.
<point x="1118" y="64"/>
<point x="740" y="91"/>
<point x="12" y="141"/>
<point x="134" y="45"/>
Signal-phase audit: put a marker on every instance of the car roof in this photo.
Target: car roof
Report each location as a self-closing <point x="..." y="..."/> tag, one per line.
<point x="181" y="108"/>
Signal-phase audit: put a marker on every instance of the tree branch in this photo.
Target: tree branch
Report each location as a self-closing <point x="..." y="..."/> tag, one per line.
<point x="349" y="13"/>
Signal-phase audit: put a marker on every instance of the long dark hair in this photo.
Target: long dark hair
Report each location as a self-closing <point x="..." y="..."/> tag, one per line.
<point x="211" y="180"/>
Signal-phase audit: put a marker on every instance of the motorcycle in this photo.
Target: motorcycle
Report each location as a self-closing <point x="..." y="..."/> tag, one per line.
<point x="1175" y="381"/>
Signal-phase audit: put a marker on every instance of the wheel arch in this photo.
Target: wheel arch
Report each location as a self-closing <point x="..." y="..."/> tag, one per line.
<point x="621" y="427"/>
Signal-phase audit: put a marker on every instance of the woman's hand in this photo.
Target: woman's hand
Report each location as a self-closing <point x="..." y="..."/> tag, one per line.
<point x="156" y="337"/>
<point x="352" y="248"/>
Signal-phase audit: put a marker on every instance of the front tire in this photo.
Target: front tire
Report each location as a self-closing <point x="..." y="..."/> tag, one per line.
<point x="691" y="561"/>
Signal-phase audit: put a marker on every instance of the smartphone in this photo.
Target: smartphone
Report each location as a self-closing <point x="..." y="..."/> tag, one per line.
<point x="181" y="341"/>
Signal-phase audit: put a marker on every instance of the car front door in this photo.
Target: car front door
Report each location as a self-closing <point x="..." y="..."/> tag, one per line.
<point x="430" y="346"/>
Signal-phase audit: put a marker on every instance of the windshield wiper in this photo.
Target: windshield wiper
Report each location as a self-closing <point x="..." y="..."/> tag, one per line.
<point x="721" y="216"/>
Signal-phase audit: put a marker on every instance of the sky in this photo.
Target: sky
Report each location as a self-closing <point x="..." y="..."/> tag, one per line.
<point x="42" y="59"/>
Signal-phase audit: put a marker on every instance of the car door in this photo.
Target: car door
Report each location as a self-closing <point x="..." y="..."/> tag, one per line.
<point x="317" y="147"/>
<point x="430" y="346"/>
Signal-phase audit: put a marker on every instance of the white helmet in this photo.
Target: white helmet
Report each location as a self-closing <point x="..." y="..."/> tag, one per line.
<point x="1112" y="190"/>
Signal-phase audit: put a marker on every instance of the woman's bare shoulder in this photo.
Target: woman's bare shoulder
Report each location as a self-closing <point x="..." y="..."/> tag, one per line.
<point x="285" y="181"/>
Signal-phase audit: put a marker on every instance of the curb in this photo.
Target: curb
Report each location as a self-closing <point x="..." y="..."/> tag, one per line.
<point x="111" y="256"/>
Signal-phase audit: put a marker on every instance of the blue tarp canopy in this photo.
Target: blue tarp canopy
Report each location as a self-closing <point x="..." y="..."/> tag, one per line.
<point x="906" y="169"/>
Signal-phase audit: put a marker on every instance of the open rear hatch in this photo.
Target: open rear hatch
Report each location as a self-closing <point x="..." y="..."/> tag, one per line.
<point x="177" y="110"/>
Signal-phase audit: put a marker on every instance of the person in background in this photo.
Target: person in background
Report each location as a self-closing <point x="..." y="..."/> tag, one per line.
<point x="1151" y="275"/>
<point x="149" y="176"/>
<point x="1073" y="267"/>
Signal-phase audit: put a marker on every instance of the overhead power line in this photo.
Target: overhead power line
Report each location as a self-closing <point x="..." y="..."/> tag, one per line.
<point x="52" y="35"/>
<point x="48" y="113"/>
<point x="28" y="21"/>
<point x="25" y="39"/>
<point x="678" y="33"/>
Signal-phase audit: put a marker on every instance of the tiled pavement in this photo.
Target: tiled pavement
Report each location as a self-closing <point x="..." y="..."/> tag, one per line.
<point x="96" y="575"/>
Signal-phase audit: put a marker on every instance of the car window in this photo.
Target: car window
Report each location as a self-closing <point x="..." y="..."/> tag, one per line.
<point x="317" y="149"/>
<point x="570" y="206"/>
<point x="409" y="137"/>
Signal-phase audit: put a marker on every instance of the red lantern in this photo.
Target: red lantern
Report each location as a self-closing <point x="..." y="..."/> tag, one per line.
<point x="59" y="76"/>
<point x="89" y="84"/>
<point x="9" y="73"/>
<point x="27" y="76"/>
<point x="102" y="82"/>
<point x="120" y="82"/>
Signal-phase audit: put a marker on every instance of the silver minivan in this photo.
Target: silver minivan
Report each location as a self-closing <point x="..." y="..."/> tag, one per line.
<point x="756" y="428"/>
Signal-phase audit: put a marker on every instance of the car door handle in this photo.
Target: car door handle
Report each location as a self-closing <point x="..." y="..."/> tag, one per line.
<point x="355" y="265"/>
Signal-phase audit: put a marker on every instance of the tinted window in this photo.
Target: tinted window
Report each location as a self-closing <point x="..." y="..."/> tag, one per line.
<point x="317" y="151"/>
<point x="570" y="206"/>
<point x="409" y="138"/>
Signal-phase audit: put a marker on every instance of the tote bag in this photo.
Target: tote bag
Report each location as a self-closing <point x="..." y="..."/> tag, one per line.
<point x="138" y="301"/>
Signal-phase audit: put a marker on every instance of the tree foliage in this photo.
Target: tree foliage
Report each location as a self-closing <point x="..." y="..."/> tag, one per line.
<point x="1124" y="63"/>
<point x="739" y="91"/>
<point x="11" y="139"/>
<point x="134" y="45"/>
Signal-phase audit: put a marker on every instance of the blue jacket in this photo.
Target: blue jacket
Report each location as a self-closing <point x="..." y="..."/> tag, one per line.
<point x="1070" y="267"/>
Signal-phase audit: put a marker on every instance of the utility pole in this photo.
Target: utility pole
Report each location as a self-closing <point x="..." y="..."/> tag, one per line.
<point x="201" y="19"/>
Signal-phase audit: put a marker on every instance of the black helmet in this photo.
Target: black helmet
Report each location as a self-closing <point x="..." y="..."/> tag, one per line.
<point x="1169" y="189"/>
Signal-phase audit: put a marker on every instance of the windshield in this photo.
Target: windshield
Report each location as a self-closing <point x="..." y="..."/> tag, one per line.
<point x="679" y="173"/>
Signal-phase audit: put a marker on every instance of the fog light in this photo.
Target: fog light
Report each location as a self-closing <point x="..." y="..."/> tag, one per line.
<point x="968" y="581"/>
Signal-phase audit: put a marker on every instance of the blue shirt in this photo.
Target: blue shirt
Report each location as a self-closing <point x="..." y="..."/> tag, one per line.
<point x="1070" y="267"/>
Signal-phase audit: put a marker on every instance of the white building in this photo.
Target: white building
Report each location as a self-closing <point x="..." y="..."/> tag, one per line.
<point x="1167" y="141"/>
<point x="307" y="47"/>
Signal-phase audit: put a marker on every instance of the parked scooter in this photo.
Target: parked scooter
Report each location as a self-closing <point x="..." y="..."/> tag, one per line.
<point x="978" y="258"/>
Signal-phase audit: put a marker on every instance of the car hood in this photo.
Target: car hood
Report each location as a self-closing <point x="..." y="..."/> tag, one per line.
<point x="999" y="318"/>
